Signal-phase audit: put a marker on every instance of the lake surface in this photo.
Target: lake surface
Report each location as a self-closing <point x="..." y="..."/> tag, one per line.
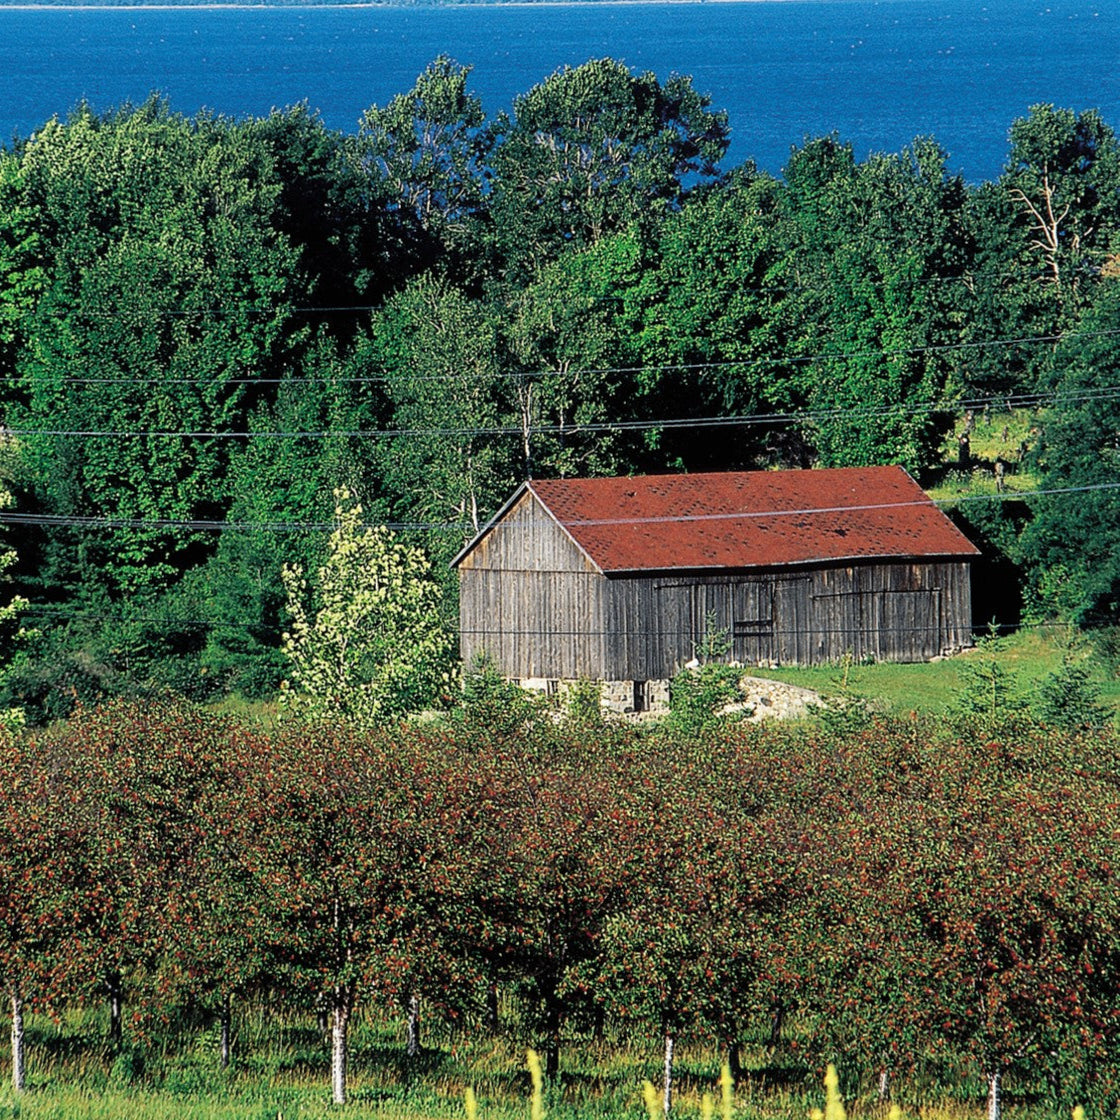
<point x="879" y="74"/>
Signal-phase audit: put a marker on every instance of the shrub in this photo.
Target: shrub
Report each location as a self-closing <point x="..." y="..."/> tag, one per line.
<point x="1069" y="696"/>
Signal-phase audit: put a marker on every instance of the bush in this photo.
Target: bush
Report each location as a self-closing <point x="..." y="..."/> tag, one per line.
<point x="491" y="702"/>
<point x="698" y="696"/>
<point x="1069" y="696"/>
<point x="583" y="704"/>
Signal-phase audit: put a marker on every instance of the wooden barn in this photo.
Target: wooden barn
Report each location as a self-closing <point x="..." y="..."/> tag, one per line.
<point x="619" y="579"/>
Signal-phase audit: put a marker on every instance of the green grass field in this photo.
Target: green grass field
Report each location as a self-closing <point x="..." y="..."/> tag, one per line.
<point x="280" y="1073"/>
<point x="1029" y="655"/>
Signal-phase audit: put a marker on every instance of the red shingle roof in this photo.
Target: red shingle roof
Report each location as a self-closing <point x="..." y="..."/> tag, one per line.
<point x="750" y="519"/>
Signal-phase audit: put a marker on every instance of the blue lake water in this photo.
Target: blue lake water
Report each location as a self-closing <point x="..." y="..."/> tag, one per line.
<point x="876" y="73"/>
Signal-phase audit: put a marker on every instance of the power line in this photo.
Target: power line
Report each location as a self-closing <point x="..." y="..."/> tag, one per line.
<point x="759" y="419"/>
<point x="93" y="522"/>
<point x="49" y="613"/>
<point x="729" y="363"/>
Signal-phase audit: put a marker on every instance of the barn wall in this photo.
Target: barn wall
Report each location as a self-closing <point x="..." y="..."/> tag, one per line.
<point x="886" y="612"/>
<point x="531" y="601"/>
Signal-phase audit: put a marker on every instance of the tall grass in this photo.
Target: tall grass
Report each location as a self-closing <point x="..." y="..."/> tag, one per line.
<point x="281" y="1073"/>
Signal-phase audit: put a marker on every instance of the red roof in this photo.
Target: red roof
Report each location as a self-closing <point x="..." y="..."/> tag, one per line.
<point x="750" y="519"/>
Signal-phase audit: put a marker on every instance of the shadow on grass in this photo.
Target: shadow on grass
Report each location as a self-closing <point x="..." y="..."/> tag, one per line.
<point x="68" y="1046"/>
<point x="779" y="1077"/>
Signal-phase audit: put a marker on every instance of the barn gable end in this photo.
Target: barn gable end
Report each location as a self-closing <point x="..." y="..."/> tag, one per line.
<point x="530" y="599"/>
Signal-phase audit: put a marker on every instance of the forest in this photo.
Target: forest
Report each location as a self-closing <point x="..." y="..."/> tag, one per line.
<point x="208" y="326"/>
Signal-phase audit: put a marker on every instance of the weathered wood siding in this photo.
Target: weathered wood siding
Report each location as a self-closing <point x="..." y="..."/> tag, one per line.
<point x="887" y="612"/>
<point x="531" y="601"/>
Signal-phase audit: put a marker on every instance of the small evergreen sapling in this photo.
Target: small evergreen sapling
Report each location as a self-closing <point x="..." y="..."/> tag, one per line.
<point x="989" y="689"/>
<point x="1069" y="697"/>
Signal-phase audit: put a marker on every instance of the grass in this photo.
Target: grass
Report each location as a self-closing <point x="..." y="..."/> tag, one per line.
<point x="285" y="1075"/>
<point x="997" y="438"/>
<point x="998" y="435"/>
<point x="280" y="1073"/>
<point x="261" y="713"/>
<point x="931" y="687"/>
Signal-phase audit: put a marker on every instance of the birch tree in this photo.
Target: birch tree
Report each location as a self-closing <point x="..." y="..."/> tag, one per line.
<point x="425" y="153"/>
<point x="1062" y="177"/>
<point x="440" y="356"/>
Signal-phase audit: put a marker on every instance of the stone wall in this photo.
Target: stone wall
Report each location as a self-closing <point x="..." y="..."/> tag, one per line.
<point x="768" y="699"/>
<point x="624" y="697"/>
<point x="762" y="698"/>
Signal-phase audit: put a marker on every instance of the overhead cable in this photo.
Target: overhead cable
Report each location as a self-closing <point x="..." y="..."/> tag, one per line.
<point x="10" y="517"/>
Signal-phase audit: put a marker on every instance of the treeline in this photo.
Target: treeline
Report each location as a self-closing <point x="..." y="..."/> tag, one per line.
<point x="207" y="325"/>
<point x="898" y="896"/>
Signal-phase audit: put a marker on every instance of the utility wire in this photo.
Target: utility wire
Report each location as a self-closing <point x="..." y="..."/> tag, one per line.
<point x="92" y="522"/>
<point x="49" y="613"/>
<point x="758" y="419"/>
<point x="599" y="371"/>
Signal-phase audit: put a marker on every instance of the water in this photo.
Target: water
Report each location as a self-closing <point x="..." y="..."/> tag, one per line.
<point x="877" y="73"/>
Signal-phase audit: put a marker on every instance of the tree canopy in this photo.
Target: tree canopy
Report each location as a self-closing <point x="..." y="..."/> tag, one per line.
<point x="208" y="325"/>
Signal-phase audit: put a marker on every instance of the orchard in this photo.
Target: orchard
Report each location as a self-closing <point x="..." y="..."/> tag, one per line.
<point x="894" y="897"/>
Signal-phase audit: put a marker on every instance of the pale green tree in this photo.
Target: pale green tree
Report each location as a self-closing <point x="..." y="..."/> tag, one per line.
<point x="10" y="718"/>
<point x="372" y="645"/>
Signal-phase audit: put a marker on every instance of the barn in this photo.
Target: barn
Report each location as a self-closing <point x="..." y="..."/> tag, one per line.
<point x="620" y="579"/>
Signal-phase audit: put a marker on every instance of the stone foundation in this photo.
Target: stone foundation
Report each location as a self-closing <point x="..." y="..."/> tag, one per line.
<point x="624" y="697"/>
<point x="768" y="699"/>
<point x="762" y="698"/>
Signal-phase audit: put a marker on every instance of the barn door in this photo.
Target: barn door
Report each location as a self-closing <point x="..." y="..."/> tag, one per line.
<point x="886" y="625"/>
<point x="907" y="624"/>
<point x="752" y="625"/>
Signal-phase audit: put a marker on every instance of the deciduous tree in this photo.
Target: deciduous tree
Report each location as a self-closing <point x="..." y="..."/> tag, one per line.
<point x="425" y="154"/>
<point x="592" y="148"/>
<point x="372" y="644"/>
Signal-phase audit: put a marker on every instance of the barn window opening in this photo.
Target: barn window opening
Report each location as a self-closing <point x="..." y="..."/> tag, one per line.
<point x="641" y="699"/>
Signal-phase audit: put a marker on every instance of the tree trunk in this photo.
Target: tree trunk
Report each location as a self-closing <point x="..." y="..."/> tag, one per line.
<point x="667" y="1096"/>
<point x="113" y="987"/>
<point x="19" y="1056"/>
<point x="340" y="1023"/>
<point x="884" y="1083"/>
<point x="734" y="1061"/>
<point x="552" y="1030"/>
<point x="600" y="1021"/>
<point x="413" y="1044"/>
<point x="492" y="1007"/>
<point x="525" y="403"/>
<point x="225" y="1016"/>
<point x="776" y="1022"/>
<point x="993" y="1095"/>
